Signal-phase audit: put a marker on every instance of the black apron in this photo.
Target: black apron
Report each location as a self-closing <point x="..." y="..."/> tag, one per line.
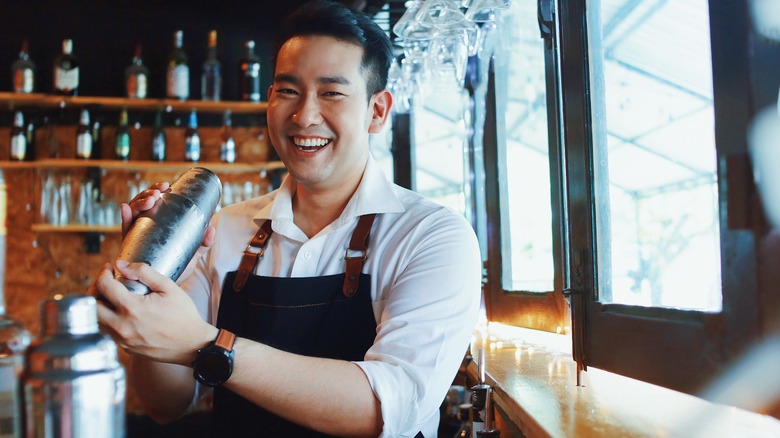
<point x="330" y="316"/>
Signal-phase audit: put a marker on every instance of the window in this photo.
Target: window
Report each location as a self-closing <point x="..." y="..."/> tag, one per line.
<point x="638" y="185"/>
<point x="650" y="138"/>
<point x="655" y="180"/>
<point x="523" y="190"/>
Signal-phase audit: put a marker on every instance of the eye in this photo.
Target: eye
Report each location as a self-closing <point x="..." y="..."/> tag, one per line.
<point x="288" y="91"/>
<point x="333" y="94"/>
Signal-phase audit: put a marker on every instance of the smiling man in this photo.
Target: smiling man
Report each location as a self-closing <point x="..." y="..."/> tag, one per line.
<point x="339" y="304"/>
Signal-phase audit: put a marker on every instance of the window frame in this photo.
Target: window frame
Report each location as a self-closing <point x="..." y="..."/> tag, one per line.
<point x="548" y="311"/>
<point x="656" y="344"/>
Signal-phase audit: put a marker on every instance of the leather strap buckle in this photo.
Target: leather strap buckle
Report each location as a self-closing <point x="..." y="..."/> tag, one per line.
<point x="361" y="254"/>
<point x="254" y="250"/>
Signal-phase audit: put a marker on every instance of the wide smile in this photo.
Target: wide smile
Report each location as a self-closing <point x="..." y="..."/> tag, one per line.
<point x="310" y="144"/>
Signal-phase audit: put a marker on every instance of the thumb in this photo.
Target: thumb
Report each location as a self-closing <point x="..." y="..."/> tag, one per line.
<point x="147" y="275"/>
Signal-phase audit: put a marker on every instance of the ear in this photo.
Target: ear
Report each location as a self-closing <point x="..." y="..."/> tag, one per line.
<point x="270" y="88"/>
<point x="379" y="106"/>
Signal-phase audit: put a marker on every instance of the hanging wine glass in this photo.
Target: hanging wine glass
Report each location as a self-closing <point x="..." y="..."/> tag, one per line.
<point x="440" y="14"/>
<point x="409" y="28"/>
<point x="448" y="55"/>
<point x="483" y="11"/>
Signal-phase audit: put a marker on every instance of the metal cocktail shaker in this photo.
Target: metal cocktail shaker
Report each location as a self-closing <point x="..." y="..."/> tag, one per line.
<point x="167" y="236"/>
<point x="74" y="385"/>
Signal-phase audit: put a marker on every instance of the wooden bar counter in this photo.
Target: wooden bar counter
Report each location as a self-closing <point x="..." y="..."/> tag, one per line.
<point x="536" y="395"/>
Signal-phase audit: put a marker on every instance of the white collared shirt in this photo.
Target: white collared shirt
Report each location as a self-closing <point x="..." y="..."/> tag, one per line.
<point x="425" y="270"/>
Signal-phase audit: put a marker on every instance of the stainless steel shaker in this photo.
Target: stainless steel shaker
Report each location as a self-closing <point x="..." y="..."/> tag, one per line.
<point x="167" y="236"/>
<point x="73" y="383"/>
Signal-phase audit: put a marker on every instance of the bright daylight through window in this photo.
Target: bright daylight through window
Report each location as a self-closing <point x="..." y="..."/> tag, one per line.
<point x="654" y="154"/>
<point x="526" y="225"/>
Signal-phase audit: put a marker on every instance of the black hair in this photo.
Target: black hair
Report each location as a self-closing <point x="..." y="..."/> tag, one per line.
<point x="336" y="20"/>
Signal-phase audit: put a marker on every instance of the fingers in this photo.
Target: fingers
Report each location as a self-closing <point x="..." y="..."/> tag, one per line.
<point x="107" y="319"/>
<point x="113" y="293"/>
<point x="143" y="201"/>
<point x="147" y="198"/>
<point x="127" y="217"/>
<point x="209" y="236"/>
<point x="146" y="275"/>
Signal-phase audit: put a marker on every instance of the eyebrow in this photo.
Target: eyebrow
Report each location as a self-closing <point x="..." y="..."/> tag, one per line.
<point x="283" y="77"/>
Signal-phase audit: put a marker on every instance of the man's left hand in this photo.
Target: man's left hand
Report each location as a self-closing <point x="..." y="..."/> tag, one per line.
<point x="163" y="325"/>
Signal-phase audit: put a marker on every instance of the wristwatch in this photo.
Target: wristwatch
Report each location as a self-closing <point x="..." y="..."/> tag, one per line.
<point x="214" y="363"/>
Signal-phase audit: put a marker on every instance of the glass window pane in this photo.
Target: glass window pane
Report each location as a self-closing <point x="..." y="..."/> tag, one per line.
<point x="440" y="142"/>
<point x="655" y="182"/>
<point x="526" y="216"/>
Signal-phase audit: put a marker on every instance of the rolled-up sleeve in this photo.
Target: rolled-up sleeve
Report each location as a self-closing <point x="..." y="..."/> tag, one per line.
<point x="426" y="316"/>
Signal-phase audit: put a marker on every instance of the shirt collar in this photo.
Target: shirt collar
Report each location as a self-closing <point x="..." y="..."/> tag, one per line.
<point x="375" y="194"/>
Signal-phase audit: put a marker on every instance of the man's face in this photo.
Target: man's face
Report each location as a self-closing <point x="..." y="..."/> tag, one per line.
<point x="319" y="116"/>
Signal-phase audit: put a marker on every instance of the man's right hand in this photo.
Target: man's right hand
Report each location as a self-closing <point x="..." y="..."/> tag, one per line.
<point x="142" y="202"/>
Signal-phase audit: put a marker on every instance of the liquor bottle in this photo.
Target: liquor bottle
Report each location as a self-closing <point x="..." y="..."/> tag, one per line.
<point x="66" y="71"/>
<point x="14" y="339"/>
<point x="211" y="77"/>
<point x="29" y="133"/>
<point x="178" y="70"/>
<point x="158" y="138"/>
<point x="84" y="139"/>
<point x="122" y="143"/>
<point x="18" y="147"/>
<point x="96" y="143"/>
<point x="449" y="422"/>
<point x="250" y="74"/>
<point x="191" y="139"/>
<point x="137" y="77"/>
<point x="479" y="397"/>
<point x="464" y="412"/>
<point x="23" y="71"/>
<point x="227" y="150"/>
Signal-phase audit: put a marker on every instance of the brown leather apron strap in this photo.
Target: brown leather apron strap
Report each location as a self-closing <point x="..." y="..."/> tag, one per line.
<point x="252" y="255"/>
<point x="358" y="243"/>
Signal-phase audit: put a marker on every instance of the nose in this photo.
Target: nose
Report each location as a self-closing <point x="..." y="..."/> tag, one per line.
<point x="308" y="113"/>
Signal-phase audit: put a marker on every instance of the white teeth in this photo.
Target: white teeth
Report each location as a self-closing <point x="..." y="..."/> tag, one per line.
<point x="310" y="142"/>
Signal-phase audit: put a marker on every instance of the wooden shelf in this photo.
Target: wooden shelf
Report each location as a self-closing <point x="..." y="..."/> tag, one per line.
<point x="172" y="166"/>
<point x="75" y="228"/>
<point x="10" y="101"/>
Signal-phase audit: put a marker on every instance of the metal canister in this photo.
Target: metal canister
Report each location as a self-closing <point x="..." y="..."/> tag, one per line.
<point x="73" y="383"/>
<point x="167" y="236"/>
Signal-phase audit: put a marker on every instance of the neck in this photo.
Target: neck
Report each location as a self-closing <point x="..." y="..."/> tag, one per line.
<point x="315" y="209"/>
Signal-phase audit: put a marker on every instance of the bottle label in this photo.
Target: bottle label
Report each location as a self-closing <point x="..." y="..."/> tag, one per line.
<point x="228" y="151"/>
<point x="24" y="80"/>
<point x="18" y="147"/>
<point x="158" y="148"/>
<point x="179" y="82"/>
<point x="84" y="146"/>
<point x="137" y="86"/>
<point x="192" y="148"/>
<point x="123" y="146"/>
<point x="66" y="80"/>
<point x="251" y="82"/>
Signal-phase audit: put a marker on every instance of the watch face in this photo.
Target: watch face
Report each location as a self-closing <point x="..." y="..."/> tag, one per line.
<point x="213" y="366"/>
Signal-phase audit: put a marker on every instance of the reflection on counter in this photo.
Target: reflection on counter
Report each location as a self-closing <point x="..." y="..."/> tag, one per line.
<point x="535" y="388"/>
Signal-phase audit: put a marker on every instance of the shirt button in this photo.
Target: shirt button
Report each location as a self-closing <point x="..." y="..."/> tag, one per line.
<point x="307" y="254"/>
